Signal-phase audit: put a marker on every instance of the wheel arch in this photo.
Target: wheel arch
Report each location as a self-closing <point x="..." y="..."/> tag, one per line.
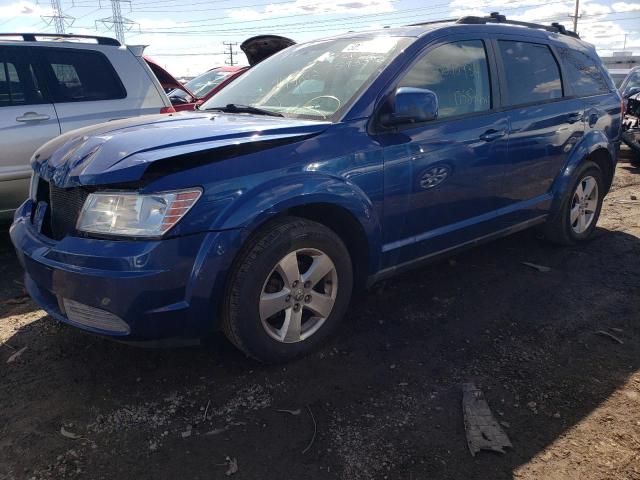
<point x="595" y="147"/>
<point x="333" y="202"/>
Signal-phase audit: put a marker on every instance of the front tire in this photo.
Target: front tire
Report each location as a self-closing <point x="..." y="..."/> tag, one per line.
<point x="288" y="290"/>
<point x="580" y="209"/>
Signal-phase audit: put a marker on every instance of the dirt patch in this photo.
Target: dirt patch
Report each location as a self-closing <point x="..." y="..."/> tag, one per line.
<point x="385" y="392"/>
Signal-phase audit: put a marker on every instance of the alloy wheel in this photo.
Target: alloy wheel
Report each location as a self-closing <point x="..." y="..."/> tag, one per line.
<point x="298" y="295"/>
<point x="584" y="205"/>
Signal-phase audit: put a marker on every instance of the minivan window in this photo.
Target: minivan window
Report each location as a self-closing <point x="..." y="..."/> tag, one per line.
<point x="458" y="73"/>
<point x="582" y="73"/>
<point x="81" y="76"/>
<point x="531" y="72"/>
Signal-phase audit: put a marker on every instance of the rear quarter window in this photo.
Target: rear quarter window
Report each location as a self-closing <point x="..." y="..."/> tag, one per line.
<point x="582" y="73"/>
<point x="81" y="76"/>
<point x="531" y="72"/>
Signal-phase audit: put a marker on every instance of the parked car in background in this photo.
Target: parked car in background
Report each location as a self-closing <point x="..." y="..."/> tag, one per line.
<point x="168" y="81"/>
<point x="632" y="80"/>
<point x="51" y="84"/>
<point x="325" y="168"/>
<point x="618" y="75"/>
<point x="200" y="89"/>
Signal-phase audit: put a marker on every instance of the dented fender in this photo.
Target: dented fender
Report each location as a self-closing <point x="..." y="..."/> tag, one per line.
<point x="275" y="197"/>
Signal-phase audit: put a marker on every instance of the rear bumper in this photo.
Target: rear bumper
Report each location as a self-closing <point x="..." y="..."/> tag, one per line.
<point x="130" y="290"/>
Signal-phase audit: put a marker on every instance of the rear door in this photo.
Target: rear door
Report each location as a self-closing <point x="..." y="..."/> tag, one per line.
<point x="86" y="89"/>
<point x="586" y="80"/>
<point x="27" y="120"/>
<point x="546" y="121"/>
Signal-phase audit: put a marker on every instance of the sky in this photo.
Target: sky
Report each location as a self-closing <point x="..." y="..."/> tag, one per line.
<point x="186" y="36"/>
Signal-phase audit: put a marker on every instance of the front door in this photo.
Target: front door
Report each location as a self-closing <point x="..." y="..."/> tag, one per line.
<point x="27" y="120"/>
<point x="443" y="179"/>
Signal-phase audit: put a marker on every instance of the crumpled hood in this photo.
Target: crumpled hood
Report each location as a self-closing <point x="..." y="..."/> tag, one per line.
<point x="120" y="151"/>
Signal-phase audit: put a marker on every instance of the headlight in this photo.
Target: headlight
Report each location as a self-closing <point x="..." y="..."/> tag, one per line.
<point x="133" y="214"/>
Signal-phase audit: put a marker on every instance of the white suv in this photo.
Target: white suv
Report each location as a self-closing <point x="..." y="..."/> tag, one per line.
<point x="50" y="84"/>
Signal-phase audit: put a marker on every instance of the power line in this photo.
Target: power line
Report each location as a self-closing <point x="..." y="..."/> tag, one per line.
<point x="306" y="14"/>
<point x="300" y="27"/>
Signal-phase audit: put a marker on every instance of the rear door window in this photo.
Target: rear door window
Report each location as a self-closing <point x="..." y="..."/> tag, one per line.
<point x="583" y="74"/>
<point x="458" y="73"/>
<point x="81" y="76"/>
<point x="531" y="72"/>
<point x="18" y="82"/>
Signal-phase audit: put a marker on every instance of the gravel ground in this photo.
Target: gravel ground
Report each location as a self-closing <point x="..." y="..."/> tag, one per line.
<point x="383" y="396"/>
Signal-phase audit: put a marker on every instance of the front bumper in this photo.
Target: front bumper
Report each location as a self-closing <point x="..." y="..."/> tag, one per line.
<point x="131" y="290"/>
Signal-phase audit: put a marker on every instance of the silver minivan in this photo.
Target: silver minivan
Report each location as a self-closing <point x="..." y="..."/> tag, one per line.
<point x="50" y="84"/>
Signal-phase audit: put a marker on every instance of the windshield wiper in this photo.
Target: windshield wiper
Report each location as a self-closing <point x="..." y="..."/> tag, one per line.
<point x="235" y="108"/>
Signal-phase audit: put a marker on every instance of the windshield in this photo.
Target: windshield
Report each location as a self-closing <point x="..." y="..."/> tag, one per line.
<point x="202" y="84"/>
<point x="316" y="80"/>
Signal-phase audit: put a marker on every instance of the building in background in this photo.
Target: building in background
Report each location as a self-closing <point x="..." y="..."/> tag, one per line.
<point x="621" y="60"/>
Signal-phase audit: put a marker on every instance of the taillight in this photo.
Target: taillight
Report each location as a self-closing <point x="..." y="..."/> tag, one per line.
<point x="168" y="110"/>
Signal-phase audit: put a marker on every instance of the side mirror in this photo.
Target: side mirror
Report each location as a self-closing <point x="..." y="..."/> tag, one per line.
<point x="631" y="92"/>
<point x="413" y="105"/>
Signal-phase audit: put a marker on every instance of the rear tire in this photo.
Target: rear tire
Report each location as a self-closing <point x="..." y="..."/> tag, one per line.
<point x="288" y="290"/>
<point x="580" y="209"/>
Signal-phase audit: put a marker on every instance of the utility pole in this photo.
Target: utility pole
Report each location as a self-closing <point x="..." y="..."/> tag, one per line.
<point x="576" y="16"/>
<point x="57" y="18"/>
<point x="230" y="52"/>
<point x="116" y="21"/>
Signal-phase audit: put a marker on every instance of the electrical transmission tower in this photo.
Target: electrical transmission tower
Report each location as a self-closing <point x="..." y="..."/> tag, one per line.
<point x="59" y="20"/>
<point x="116" y="21"/>
<point x="230" y="52"/>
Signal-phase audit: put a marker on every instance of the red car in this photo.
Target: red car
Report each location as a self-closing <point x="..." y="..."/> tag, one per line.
<point x="203" y="87"/>
<point x="197" y="91"/>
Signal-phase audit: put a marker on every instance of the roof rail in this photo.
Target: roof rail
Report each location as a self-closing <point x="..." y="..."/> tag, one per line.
<point x="433" y="22"/>
<point x="495" y="17"/>
<point x="33" y="37"/>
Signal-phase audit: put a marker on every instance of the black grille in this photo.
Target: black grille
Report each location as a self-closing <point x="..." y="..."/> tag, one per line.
<point x="64" y="209"/>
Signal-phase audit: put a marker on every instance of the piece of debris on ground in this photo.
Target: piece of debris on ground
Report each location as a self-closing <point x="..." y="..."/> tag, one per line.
<point x="232" y="466"/>
<point x="16" y="355"/>
<point x="540" y="268"/>
<point x="604" y="333"/>
<point x="483" y="431"/>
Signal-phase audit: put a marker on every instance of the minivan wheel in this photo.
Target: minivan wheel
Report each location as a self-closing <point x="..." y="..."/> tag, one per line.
<point x="288" y="290"/>
<point x="580" y="208"/>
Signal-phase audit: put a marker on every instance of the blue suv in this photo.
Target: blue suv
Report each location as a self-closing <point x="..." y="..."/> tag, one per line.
<point x="327" y="167"/>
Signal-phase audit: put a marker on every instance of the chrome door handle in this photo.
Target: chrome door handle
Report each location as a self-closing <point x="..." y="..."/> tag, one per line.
<point x="33" y="117"/>
<point x="491" y="135"/>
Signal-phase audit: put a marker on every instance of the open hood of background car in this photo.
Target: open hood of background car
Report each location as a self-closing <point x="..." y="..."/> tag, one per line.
<point x="167" y="80"/>
<point x="263" y="46"/>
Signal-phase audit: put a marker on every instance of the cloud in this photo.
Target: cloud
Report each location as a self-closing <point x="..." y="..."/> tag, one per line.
<point x="312" y="7"/>
<point x="23" y="9"/>
<point x="625" y="7"/>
